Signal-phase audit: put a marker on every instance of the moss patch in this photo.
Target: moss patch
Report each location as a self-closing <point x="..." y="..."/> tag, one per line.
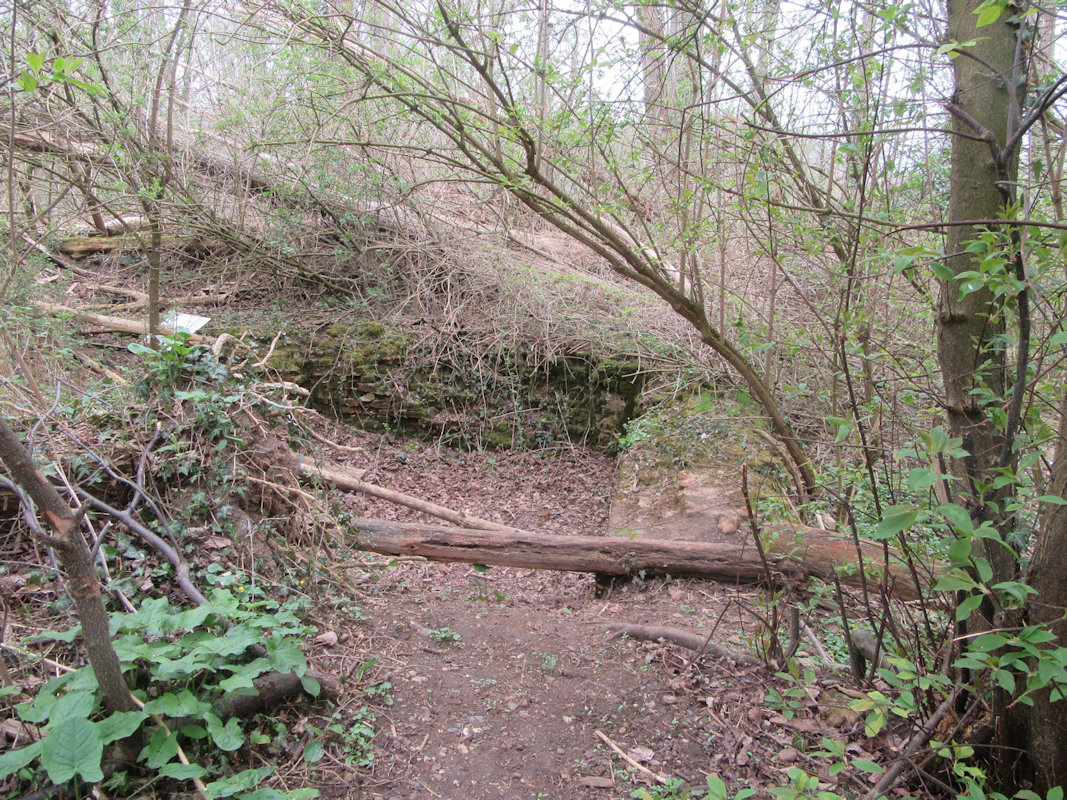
<point x="384" y="377"/>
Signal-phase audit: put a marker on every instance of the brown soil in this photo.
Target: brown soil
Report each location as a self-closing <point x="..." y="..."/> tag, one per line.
<point x="502" y="681"/>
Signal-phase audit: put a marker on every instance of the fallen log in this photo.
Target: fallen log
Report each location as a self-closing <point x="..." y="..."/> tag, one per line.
<point x="272" y="689"/>
<point x="728" y="563"/>
<point x="121" y="325"/>
<point x="725" y="563"/>
<point x="826" y="553"/>
<point x="78" y="246"/>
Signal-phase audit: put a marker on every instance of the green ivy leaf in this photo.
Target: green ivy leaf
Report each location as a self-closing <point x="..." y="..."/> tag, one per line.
<point x="286" y="657"/>
<point x="182" y="772"/>
<point x="120" y="725"/>
<point x="227" y="737"/>
<point x="73" y="747"/>
<point x="314" y="751"/>
<point x="14" y="760"/>
<point x="161" y="748"/>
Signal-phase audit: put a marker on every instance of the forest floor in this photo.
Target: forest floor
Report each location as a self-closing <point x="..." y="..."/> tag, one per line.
<point x="466" y="683"/>
<point x="507" y="683"/>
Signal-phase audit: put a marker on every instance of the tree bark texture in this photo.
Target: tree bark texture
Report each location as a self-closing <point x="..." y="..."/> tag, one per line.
<point x="990" y="78"/>
<point x="984" y="114"/>
<point x="1046" y="725"/>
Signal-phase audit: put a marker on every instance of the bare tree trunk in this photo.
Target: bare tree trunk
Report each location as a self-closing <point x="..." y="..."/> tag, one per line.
<point x="1046" y="726"/>
<point x="969" y="327"/>
<point x="653" y="68"/>
<point x="77" y="562"/>
<point x="986" y="108"/>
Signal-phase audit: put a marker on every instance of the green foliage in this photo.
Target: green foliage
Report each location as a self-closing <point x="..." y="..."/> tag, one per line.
<point x="445" y="636"/>
<point x="60" y="71"/>
<point x="788" y="702"/>
<point x="186" y="662"/>
<point x="177" y="361"/>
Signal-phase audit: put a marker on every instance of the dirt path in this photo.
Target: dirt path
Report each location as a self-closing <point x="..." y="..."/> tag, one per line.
<point x="500" y="681"/>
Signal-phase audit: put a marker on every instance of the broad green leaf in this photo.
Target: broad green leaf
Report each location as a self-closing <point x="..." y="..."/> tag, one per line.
<point x="238" y="684"/>
<point x="182" y="704"/>
<point x="988" y="13"/>
<point x="235" y="642"/>
<point x="311" y="686"/>
<point x="14" y="760"/>
<point x="957" y="517"/>
<point x="921" y="478"/>
<point x="56" y="636"/>
<point x="161" y="748"/>
<point x="73" y="704"/>
<point x="1054" y="499"/>
<point x="985" y="571"/>
<point x="243" y="781"/>
<point x="867" y="766"/>
<point x="181" y="668"/>
<point x="194" y="732"/>
<point x="960" y="550"/>
<point x="35" y="60"/>
<point x="1006" y="680"/>
<point x="286" y="657"/>
<point x="987" y="642"/>
<point x="227" y="737"/>
<point x="120" y="725"/>
<point x="193" y="617"/>
<point x="314" y="751"/>
<point x="27" y="81"/>
<point x="716" y="788"/>
<point x="182" y="772"/>
<point x="897" y="518"/>
<point x="73" y="747"/>
<point x="968" y="605"/>
<point x="1058" y="339"/>
<point x="843" y="432"/>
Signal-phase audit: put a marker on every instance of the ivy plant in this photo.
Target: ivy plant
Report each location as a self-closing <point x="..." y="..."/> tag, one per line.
<point x="182" y="664"/>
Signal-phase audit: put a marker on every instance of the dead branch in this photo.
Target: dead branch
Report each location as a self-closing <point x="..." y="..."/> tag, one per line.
<point x="343" y="478"/>
<point x="690" y="641"/>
